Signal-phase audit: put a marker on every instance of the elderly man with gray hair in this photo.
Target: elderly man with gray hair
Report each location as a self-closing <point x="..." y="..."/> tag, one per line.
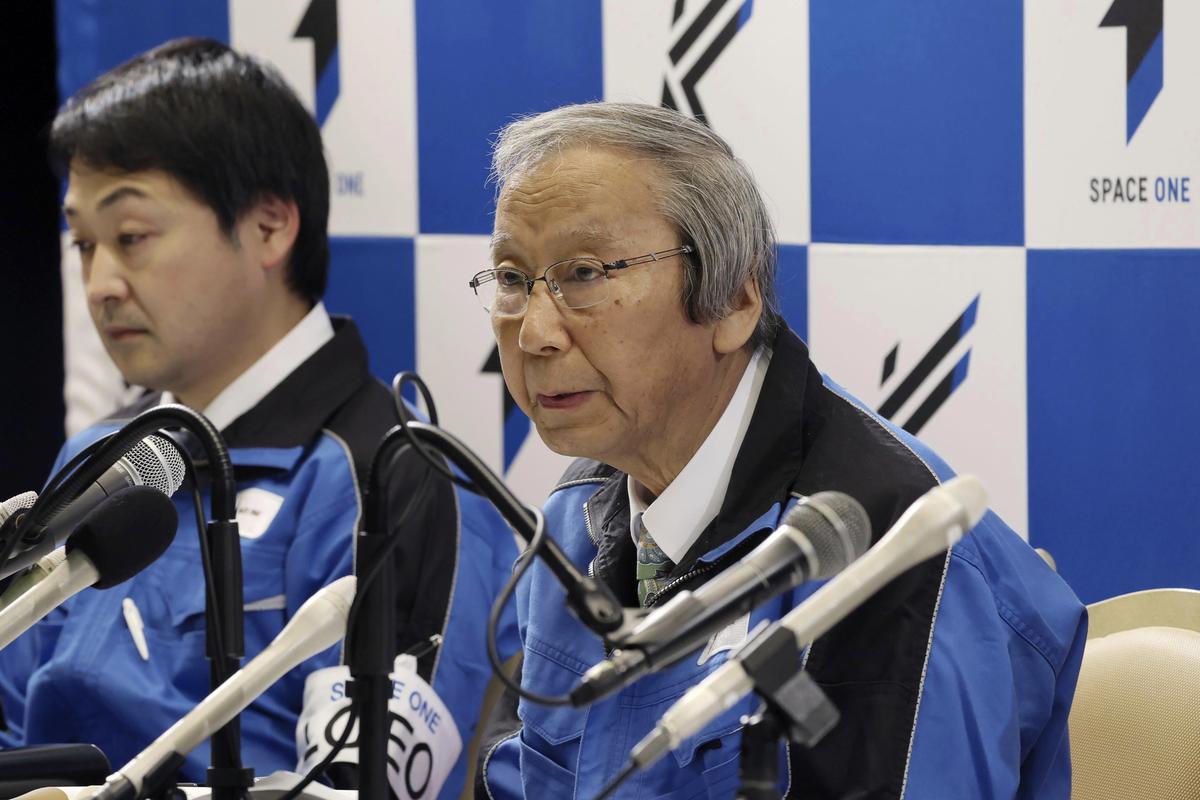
<point x="633" y="299"/>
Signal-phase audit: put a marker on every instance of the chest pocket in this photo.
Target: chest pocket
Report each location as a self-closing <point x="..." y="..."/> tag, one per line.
<point x="553" y="746"/>
<point x="704" y="765"/>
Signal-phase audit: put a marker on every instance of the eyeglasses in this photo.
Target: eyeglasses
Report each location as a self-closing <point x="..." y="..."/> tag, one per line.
<point x="574" y="282"/>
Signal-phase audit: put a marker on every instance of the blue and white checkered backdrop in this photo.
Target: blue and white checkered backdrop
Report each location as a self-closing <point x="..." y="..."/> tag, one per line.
<point x="989" y="213"/>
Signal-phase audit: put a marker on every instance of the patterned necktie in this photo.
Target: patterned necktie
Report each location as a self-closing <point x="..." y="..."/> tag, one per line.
<point x="652" y="564"/>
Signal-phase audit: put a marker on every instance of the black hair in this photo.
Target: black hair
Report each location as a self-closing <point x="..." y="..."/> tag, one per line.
<point x="224" y="124"/>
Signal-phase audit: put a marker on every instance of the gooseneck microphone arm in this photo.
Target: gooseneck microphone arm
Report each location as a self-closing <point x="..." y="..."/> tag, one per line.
<point x="589" y="599"/>
<point x="223" y="609"/>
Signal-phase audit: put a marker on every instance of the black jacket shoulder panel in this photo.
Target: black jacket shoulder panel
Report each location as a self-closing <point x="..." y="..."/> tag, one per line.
<point x="851" y="451"/>
<point x="361" y="423"/>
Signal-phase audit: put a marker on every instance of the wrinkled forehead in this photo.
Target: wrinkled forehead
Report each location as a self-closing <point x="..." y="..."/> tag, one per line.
<point x="577" y="197"/>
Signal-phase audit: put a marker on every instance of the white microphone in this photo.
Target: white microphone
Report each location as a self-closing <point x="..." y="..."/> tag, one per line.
<point x="117" y="539"/>
<point x="153" y="462"/>
<point x="317" y="625"/>
<point x="930" y="525"/>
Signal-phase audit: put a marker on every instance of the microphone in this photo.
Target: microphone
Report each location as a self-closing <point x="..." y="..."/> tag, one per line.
<point x="930" y="525"/>
<point x="102" y="553"/>
<point x="153" y="462"/>
<point x="317" y="625"/>
<point x="817" y="539"/>
<point x="29" y="578"/>
<point x="17" y="503"/>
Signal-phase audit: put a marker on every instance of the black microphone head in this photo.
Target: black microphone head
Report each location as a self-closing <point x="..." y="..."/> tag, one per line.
<point x="125" y="533"/>
<point x="837" y="527"/>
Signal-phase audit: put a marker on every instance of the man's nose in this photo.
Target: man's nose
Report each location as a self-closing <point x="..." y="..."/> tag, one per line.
<point x="103" y="277"/>
<point x="542" y="328"/>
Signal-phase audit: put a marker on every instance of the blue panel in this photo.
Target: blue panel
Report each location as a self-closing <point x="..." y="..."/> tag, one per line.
<point x="917" y="122"/>
<point x="791" y="282"/>
<point x="373" y="280"/>
<point x="479" y="64"/>
<point x="1113" y="441"/>
<point x="94" y="36"/>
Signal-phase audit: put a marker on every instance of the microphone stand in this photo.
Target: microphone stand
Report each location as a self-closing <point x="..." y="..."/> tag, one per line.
<point x="370" y="655"/>
<point x="372" y="642"/>
<point x="794" y="709"/>
<point x="226" y="775"/>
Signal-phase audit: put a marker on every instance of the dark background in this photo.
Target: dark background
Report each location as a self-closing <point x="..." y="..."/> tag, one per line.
<point x="31" y="358"/>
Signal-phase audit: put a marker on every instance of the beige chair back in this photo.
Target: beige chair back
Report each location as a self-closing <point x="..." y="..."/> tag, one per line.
<point x="1135" y="722"/>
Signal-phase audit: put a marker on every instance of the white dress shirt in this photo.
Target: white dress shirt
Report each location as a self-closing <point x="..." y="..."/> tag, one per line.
<point x="677" y="517"/>
<point x="247" y="389"/>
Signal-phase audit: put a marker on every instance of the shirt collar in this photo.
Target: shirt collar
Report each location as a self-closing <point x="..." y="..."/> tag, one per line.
<point x="677" y="517"/>
<point x="296" y="347"/>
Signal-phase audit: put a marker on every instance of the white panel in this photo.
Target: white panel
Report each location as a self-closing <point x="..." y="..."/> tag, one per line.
<point x="866" y="300"/>
<point x="755" y="95"/>
<point x="371" y="132"/>
<point x="454" y="340"/>
<point x="1075" y="130"/>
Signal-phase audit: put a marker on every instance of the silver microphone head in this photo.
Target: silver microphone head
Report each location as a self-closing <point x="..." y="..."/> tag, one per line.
<point x="837" y="527"/>
<point x="155" y="462"/>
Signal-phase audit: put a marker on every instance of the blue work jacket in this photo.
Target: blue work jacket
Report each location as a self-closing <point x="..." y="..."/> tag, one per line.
<point x="304" y="450"/>
<point x="954" y="681"/>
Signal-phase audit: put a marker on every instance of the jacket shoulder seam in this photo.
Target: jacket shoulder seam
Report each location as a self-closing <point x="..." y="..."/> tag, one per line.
<point x="437" y="659"/>
<point x="358" y="510"/>
<point x="912" y="737"/>
<point x="577" y="482"/>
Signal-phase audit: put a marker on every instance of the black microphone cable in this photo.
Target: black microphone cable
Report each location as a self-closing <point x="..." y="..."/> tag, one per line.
<point x="535" y="543"/>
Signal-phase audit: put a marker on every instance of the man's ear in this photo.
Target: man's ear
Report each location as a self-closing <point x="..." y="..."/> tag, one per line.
<point x="731" y="333"/>
<point x="274" y="223"/>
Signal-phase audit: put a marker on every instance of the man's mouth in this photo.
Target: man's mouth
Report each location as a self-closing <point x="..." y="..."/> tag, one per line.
<point x="121" y="333"/>
<point x="563" y="399"/>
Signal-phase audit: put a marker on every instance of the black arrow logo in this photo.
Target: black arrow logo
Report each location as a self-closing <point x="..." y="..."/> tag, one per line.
<point x="1143" y="24"/>
<point x="707" y="58"/>
<point x="925" y="368"/>
<point x="320" y="24"/>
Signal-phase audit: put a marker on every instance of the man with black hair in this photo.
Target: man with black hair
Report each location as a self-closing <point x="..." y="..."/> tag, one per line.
<point x="198" y="198"/>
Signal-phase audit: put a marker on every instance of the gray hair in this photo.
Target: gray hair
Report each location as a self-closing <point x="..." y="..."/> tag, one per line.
<point x="709" y="195"/>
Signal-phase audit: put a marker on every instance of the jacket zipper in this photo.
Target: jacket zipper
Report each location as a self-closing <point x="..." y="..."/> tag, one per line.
<point x="587" y="523"/>
<point x="666" y="590"/>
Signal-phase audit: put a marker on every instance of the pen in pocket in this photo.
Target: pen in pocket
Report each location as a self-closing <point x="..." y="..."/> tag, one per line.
<point x="137" y="630"/>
